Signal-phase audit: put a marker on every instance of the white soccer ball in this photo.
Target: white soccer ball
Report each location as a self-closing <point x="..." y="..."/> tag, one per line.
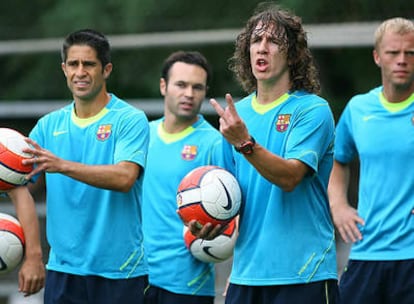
<point x="11" y="243"/>
<point x="212" y="251"/>
<point x="12" y="171"/>
<point x="208" y="194"/>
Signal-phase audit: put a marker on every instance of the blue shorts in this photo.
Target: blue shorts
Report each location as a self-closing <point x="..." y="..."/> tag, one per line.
<point x="321" y="292"/>
<point x="64" y="288"/>
<point x="156" y="295"/>
<point x="378" y="282"/>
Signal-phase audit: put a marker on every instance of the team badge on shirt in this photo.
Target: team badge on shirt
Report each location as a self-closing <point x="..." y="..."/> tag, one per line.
<point x="104" y="131"/>
<point x="189" y="152"/>
<point x="282" y="123"/>
<point x="412" y="119"/>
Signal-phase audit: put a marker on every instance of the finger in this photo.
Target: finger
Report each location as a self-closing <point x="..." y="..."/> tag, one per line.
<point x="204" y="232"/>
<point x="356" y="233"/>
<point x="21" y="282"/>
<point x="33" y="173"/>
<point x="32" y="143"/>
<point x="230" y="104"/>
<point x="219" y="109"/>
<point x="343" y="235"/>
<point x="217" y="230"/>
<point x="194" y="227"/>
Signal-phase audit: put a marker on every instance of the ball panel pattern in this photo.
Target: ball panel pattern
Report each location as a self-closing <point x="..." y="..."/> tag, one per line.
<point x="11" y="243"/>
<point x="208" y="194"/>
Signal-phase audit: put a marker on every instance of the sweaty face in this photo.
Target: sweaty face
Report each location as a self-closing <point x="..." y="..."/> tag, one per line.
<point x="84" y="73"/>
<point x="185" y="90"/>
<point x="395" y="57"/>
<point x="267" y="56"/>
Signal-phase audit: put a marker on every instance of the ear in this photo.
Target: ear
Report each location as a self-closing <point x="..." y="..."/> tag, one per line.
<point x="63" y="66"/>
<point x="163" y="86"/>
<point x="377" y="59"/>
<point x="107" y="70"/>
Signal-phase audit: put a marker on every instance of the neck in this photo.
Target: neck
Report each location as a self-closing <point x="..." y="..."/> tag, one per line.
<point x="268" y="94"/>
<point x="397" y="94"/>
<point x="172" y="124"/>
<point x="88" y="108"/>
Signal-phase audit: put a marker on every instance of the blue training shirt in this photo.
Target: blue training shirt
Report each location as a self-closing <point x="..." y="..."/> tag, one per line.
<point x="170" y="158"/>
<point x="286" y="237"/>
<point x="93" y="231"/>
<point x="382" y="135"/>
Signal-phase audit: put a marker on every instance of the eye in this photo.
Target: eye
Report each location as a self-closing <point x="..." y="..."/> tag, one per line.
<point x="72" y="63"/>
<point x="199" y="88"/>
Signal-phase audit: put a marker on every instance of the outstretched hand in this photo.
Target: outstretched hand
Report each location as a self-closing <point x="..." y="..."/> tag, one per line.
<point x="42" y="158"/>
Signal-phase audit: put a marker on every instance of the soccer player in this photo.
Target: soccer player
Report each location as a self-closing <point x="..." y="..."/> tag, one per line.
<point x="179" y="141"/>
<point x="378" y="128"/>
<point x="92" y="154"/>
<point x="280" y="138"/>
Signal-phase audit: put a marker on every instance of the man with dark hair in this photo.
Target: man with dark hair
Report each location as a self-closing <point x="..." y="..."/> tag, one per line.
<point x="92" y="155"/>
<point x="179" y="141"/>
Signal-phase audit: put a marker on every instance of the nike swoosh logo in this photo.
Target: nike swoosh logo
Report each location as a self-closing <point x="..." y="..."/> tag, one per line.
<point x="366" y="118"/>
<point x="57" y="133"/>
<point x="3" y="265"/>
<point x="229" y="204"/>
<point x="206" y="250"/>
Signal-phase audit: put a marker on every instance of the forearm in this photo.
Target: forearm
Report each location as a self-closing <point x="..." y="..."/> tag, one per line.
<point x="338" y="185"/>
<point x="119" y="177"/>
<point x="27" y="215"/>
<point x="285" y="173"/>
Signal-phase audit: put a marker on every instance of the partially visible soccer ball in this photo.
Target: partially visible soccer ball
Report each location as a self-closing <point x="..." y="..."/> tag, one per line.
<point x="208" y="194"/>
<point x="11" y="243"/>
<point x="12" y="171"/>
<point x="212" y="251"/>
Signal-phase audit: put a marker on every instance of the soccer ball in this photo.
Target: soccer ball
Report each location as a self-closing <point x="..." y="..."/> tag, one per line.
<point x="208" y="194"/>
<point x="216" y="250"/>
<point x="12" y="171"/>
<point x="11" y="243"/>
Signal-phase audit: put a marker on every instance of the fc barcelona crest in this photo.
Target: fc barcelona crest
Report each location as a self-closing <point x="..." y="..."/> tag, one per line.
<point x="104" y="132"/>
<point x="282" y="123"/>
<point x="189" y="152"/>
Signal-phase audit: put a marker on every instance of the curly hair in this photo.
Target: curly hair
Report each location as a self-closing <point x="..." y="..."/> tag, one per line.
<point x="291" y="37"/>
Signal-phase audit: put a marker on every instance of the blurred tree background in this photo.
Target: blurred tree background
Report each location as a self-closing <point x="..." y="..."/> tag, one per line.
<point x="344" y="71"/>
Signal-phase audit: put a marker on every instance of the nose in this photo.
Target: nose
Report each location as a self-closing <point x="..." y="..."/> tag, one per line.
<point x="80" y="70"/>
<point x="189" y="91"/>
<point x="263" y="45"/>
<point x="402" y="58"/>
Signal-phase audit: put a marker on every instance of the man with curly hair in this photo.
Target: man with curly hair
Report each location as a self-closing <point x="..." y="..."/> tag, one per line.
<point x="280" y="138"/>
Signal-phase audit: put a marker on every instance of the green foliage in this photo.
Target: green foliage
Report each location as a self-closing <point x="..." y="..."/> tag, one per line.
<point x="344" y="72"/>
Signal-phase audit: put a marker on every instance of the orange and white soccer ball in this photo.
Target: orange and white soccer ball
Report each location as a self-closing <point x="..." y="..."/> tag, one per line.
<point x="208" y="194"/>
<point x="11" y="243"/>
<point x="216" y="250"/>
<point x="12" y="171"/>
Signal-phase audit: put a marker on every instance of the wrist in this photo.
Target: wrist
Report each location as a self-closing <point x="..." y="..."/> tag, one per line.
<point x="246" y="147"/>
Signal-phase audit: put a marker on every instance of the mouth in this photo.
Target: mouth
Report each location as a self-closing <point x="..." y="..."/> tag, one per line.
<point x="400" y="73"/>
<point x="81" y="84"/>
<point x="186" y="105"/>
<point x="261" y="64"/>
